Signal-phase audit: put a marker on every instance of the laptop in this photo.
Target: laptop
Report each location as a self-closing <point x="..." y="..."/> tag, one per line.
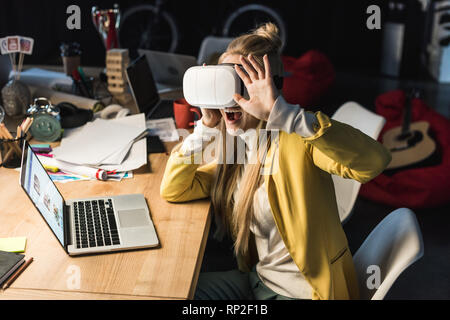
<point x="168" y="68"/>
<point x="89" y="225"/>
<point x="143" y="87"/>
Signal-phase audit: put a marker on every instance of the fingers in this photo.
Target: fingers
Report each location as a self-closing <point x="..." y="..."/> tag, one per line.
<point x="267" y="67"/>
<point x="244" y="77"/>
<point x="240" y="100"/>
<point x="253" y="71"/>
<point x="256" y="66"/>
<point x="249" y="69"/>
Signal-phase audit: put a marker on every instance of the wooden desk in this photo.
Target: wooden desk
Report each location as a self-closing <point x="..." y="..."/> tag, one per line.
<point x="168" y="272"/>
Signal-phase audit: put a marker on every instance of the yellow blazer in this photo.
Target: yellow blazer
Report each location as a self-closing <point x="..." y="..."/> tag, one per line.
<point x="302" y="198"/>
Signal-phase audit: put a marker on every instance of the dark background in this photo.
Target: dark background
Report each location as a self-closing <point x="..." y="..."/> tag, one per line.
<point x="337" y="28"/>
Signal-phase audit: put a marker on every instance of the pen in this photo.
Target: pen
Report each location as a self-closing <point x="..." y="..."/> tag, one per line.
<point x="76" y="76"/>
<point x="17" y="273"/>
<point x="84" y="81"/>
<point x="81" y="72"/>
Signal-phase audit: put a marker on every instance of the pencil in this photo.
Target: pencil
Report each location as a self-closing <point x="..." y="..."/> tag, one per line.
<point x="2" y="130"/>
<point x="17" y="273"/>
<point x="25" y="123"/>
<point x="7" y="155"/>
<point x="8" y="135"/>
<point x="28" y="125"/>
<point x="6" y="131"/>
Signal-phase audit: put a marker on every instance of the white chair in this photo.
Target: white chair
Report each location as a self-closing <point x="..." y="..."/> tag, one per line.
<point x="369" y="123"/>
<point x="394" y="244"/>
<point x="211" y="45"/>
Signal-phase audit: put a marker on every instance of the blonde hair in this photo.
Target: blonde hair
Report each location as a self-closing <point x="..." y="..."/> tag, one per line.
<point x="235" y="215"/>
<point x="260" y="41"/>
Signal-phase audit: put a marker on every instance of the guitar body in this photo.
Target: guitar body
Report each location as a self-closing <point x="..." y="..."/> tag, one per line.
<point x="410" y="148"/>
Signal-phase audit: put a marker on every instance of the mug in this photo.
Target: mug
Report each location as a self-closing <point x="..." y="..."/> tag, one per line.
<point x="184" y="114"/>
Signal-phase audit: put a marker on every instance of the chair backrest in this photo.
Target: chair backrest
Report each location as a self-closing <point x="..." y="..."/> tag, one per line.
<point x="212" y="45"/>
<point x="394" y="244"/>
<point x="369" y="123"/>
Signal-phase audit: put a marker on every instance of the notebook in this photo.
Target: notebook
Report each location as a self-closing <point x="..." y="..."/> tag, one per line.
<point x="9" y="262"/>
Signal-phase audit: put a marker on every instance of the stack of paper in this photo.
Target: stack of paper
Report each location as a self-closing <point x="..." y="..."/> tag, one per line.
<point x="106" y="144"/>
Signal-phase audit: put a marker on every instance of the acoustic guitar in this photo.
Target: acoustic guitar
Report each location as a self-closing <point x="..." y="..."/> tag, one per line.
<point x="410" y="143"/>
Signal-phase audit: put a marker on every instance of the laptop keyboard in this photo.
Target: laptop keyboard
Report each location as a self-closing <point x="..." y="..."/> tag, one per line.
<point x="95" y="224"/>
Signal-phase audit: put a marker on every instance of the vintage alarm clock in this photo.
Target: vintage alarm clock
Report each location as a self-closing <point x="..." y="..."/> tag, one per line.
<point x="47" y="120"/>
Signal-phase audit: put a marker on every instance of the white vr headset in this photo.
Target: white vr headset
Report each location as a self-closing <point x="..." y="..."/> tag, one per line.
<point x="214" y="86"/>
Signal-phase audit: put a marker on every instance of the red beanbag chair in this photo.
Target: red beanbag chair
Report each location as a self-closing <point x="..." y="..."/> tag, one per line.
<point x="423" y="187"/>
<point x="309" y="77"/>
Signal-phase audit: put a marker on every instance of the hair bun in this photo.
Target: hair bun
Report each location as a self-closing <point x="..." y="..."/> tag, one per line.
<point x="269" y="31"/>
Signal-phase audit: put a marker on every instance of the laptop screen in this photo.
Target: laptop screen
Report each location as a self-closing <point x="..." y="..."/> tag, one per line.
<point x="42" y="192"/>
<point x="143" y="85"/>
<point x="168" y="68"/>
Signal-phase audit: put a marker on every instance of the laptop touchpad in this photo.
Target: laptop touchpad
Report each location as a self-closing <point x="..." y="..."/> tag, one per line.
<point x="133" y="218"/>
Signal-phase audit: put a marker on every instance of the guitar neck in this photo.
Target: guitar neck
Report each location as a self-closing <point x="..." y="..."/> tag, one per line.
<point x="407" y="117"/>
<point x="407" y="111"/>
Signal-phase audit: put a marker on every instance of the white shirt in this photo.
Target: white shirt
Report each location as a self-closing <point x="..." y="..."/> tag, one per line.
<point x="275" y="267"/>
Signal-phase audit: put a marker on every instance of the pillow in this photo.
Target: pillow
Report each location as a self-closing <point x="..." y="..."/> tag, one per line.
<point x="308" y="78"/>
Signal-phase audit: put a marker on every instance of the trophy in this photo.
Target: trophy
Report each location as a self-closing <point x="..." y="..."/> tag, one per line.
<point x="107" y="24"/>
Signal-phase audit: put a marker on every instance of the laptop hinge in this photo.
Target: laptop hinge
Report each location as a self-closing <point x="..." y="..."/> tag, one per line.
<point x="67" y="226"/>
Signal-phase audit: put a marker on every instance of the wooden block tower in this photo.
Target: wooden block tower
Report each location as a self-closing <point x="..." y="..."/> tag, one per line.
<point x="116" y="63"/>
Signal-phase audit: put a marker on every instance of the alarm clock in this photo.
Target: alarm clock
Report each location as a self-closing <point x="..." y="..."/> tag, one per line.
<point x="46" y="120"/>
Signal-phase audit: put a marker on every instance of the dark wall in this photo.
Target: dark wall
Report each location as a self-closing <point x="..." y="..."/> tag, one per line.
<point x="337" y="28"/>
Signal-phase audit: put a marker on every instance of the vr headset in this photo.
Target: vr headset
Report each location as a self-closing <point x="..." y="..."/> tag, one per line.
<point x="214" y="86"/>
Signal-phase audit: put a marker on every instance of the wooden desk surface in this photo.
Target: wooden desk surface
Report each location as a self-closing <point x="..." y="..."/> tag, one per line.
<point x="167" y="272"/>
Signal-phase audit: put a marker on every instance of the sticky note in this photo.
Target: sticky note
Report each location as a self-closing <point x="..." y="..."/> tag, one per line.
<point x="15" y="244"/>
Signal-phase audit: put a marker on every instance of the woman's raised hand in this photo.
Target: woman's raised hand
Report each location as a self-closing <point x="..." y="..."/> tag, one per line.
<point x="260" y="87"/>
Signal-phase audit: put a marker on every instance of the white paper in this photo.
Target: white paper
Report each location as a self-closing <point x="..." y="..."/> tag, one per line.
<point x="119" y="156"/>
<point x="137" y="156"/>
<point x="100" y="140"/>
<point x="164" y="128"/>
<point x="45" y="78"/>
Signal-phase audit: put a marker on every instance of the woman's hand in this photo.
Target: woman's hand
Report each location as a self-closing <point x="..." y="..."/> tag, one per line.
<point x="210" y="117"/>
<point x="260" y="87"/>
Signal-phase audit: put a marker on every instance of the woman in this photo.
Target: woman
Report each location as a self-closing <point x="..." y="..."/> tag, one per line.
<point x="288" y="238"/>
